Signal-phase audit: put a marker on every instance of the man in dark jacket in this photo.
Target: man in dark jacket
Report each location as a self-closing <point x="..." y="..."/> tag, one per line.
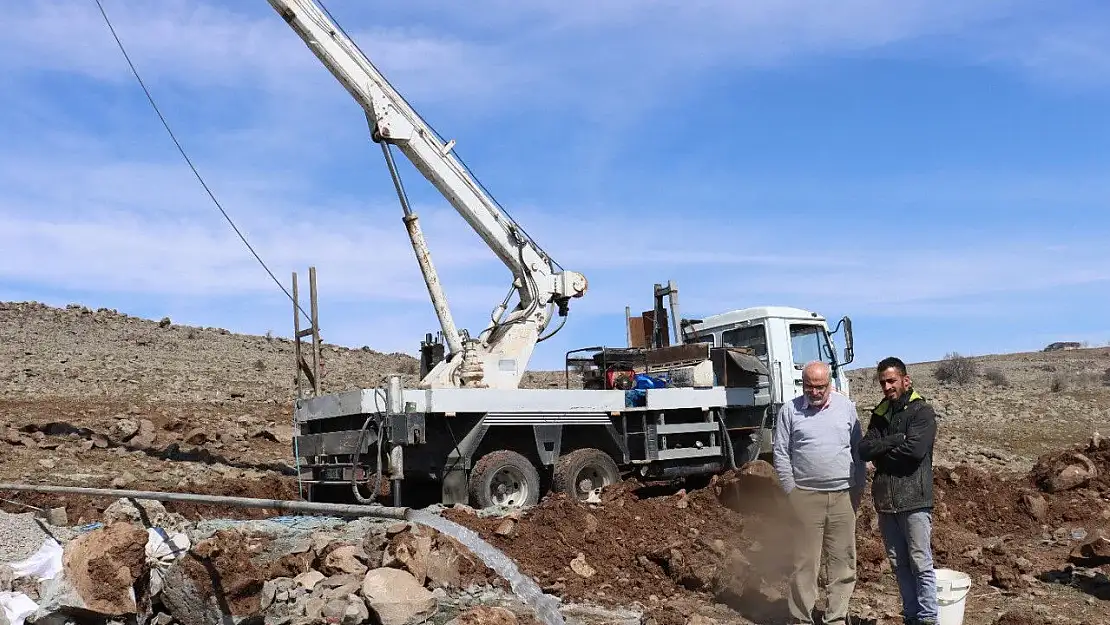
<point x="899" y="443"/>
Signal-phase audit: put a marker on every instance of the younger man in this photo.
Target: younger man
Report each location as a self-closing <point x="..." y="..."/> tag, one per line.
<point x="899" y="442"/>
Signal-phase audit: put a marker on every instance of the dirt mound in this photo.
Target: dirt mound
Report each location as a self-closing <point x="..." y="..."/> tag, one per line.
<point x="641" y="545"/>
<point x="730" y="542"/>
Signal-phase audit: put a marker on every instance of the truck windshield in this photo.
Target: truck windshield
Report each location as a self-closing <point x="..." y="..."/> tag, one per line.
<point x="808" y="343"/>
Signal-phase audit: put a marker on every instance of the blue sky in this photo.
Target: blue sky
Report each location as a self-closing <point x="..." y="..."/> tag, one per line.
<point x="936" y="170"/>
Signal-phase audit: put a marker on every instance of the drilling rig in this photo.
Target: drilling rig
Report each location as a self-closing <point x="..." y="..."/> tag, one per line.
<point x="682" y="397"/>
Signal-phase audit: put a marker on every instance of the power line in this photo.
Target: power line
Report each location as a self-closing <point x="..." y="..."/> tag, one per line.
<point x="196" y="173"/>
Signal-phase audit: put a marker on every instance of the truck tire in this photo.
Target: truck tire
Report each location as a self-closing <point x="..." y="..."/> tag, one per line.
<point x="583" y="472"/>
<point x="504" y="478"/>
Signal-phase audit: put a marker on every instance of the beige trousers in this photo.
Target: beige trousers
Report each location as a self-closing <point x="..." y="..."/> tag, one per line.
<point x="828" y="533"/>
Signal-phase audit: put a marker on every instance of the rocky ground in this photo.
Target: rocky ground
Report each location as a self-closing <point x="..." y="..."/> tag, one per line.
<point x="95" y="398"/>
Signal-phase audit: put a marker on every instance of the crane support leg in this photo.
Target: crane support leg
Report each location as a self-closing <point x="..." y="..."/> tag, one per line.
<point x="424" y="258"/>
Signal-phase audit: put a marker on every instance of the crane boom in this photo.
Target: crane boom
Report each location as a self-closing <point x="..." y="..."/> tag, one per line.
<point x="499" y="356"/>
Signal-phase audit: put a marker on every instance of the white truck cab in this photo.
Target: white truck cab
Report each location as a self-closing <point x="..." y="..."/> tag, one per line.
<point x="785" y="339"/>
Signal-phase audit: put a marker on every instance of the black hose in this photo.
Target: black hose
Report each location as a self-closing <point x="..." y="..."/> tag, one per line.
<point x="728" y="440"/>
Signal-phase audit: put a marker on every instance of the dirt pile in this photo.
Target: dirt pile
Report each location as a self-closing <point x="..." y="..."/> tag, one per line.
<point x="1012" y="531"/>
<point x="663" y="548"/>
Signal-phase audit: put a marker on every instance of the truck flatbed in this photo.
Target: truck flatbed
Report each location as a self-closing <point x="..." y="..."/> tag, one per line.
<point x="545" y="404"/>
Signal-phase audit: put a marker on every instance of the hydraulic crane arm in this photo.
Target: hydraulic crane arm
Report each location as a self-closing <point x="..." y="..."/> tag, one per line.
<point x="504" y="347"/>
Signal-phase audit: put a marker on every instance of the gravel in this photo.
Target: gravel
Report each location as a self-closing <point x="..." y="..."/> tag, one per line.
<point x="20" y="536"/>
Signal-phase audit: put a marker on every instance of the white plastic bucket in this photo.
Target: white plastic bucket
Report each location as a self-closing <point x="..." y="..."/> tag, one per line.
<point x="952" y="589"/>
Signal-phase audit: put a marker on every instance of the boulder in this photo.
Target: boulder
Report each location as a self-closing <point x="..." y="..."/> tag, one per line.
<point x="1065" y="472"/>
<point x="99" y="574"/>
<point x="1095" y="551"/>
<point x="396" y="597"/>
<point x="413" y="550"/>
<point x="344" y="559"/>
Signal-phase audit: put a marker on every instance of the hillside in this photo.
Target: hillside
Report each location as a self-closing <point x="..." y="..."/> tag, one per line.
<point x="96" y="397"/>
<point x="1012" y="407"/>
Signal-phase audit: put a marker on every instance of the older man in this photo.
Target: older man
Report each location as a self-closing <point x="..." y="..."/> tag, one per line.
<point x="816" y="459"/>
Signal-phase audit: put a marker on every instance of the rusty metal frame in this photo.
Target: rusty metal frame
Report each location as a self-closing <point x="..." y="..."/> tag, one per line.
<point x="306" y="372"/>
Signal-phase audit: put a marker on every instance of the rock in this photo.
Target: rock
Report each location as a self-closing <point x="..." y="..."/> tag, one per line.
<point x="348" y="610"/>
<point x="396" y="597"/>
<point x="7" y="576"/>
<point x="309" y="579"/>
<point x="1096" y="443"/>
<point x="123" y="481"/>
<point x="343" y="560"/>
<point x="99" y="571"/>
<point x="373" y="546"/>
<point x="196" y="437"/>
<point x="579" y="566"/>
<point x="268" y="595"/>
<point x="698" y="619"/>
<point x="443" y="568"/>
<point x="1003" y="577"/>
<point x="592" y="524"/>
<point x="1094" y="552"/>
<point x="505" y="528"/>
<point x="145" y="436"/>
<point x="143" y="512"/>
<point x="1035" y="506"/>
<point x="486" y="615"/>
<point x="123" y="430"/>
<point x="57" y="517"/>
<point x="413" y="552"/>
<point x="338" y="587"/>
<point x="397" y="528"/>
<point x="1077" y="471"/>
<point x="682" y="500"/>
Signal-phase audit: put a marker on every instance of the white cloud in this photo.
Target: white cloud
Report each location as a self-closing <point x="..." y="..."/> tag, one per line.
<point x="918" y="279"/>
<point x="493" y="51"/>
<point x="214" y="46"/>
<point x="266" y="125"/>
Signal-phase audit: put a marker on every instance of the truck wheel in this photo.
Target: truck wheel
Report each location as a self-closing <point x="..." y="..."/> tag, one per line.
<point x="504" y="478"/>
<point x="584" y="472"/>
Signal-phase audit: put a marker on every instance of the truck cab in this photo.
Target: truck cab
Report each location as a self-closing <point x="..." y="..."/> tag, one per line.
<point x="784" y="339"/>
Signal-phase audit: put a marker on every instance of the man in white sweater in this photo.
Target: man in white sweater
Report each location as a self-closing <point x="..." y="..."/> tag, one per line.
<point x="817" y="461"/>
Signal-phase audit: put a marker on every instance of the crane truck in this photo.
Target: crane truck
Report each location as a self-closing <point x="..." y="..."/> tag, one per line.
<point x="683" y="397"/>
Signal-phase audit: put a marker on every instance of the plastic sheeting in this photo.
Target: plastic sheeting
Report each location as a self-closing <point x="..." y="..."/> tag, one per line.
<point x="17" y="606"/>
<point x="162" y="549"/>
<point x="46" y="563"/>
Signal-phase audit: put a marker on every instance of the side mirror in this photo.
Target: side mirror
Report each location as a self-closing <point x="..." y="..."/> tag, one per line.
<point x="849" y="344"/>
